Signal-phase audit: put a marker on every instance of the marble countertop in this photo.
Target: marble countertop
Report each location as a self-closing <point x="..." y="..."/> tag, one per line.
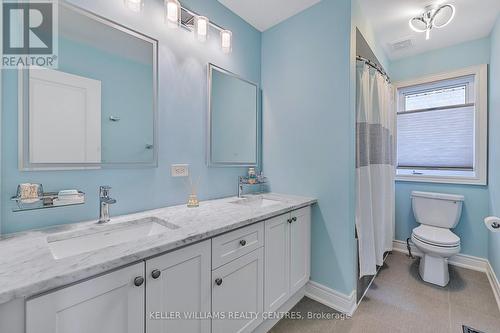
<point x="27" y="266"/>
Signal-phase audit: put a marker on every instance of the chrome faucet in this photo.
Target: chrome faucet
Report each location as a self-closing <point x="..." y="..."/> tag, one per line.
<point x="240" y="186"/>
<point x="104" y="202"/>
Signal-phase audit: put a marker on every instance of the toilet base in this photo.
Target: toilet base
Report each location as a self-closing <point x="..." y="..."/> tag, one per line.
<point x="434" y="270"/>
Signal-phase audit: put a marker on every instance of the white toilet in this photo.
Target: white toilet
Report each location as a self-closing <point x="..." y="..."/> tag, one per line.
<point x="437" y="213"/>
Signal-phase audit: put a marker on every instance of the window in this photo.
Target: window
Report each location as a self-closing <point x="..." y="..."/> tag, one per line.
<point x="442" y="128"/>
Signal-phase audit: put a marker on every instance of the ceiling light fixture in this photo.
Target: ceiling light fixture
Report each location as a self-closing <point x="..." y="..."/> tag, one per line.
<point x="433" y="17"/>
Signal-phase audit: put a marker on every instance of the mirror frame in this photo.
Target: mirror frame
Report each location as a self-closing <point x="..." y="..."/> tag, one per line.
<point x="24" y="163"/>
<point x="210" y="161"/>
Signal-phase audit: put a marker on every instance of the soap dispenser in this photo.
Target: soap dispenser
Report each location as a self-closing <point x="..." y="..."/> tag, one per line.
<point x="252" y="176"/>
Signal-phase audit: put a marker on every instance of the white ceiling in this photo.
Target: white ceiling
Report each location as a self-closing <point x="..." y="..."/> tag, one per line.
<point x="264" y="14"/>
<point x="474" y="19"/>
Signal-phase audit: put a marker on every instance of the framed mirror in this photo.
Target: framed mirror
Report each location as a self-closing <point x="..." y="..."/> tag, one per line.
<point x="98" y="109"/>
<point x="233" y="120"/>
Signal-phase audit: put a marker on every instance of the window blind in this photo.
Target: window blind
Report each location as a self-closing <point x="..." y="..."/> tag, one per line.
<point x="440" y="138"/>
<point x="436" y="124"/>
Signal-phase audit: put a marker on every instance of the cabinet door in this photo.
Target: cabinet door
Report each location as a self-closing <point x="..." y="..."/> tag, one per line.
<point x="238" y="292"/>
<point x="178" y="285"/>
<point x="110" y="303"/>
<point x="300" y="248"/>
<point x="277" y="262"/>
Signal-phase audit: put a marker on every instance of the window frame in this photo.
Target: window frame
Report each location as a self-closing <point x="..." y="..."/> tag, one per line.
<point x="480" y="173"/>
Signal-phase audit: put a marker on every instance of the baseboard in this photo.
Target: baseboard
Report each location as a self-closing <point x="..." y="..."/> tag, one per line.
<point x="400" y="246"/>
<point x="495" y="285"/>
<point x="469" y="262"/>
<point x="332" y="298"/>
<point x="324" y="295"/>
<point x="460" y="260"/>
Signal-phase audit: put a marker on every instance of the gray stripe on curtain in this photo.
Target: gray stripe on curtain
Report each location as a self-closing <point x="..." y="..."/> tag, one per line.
<point x="374" y="143"/>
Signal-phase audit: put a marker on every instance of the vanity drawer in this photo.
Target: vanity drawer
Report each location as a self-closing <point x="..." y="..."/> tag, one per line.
<point x="234" y="244"/>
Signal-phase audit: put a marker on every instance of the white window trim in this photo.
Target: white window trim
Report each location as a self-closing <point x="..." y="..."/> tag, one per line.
<point x="480" y="73"/>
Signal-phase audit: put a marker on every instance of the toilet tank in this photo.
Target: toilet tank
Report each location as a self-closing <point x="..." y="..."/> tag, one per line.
<point x="437" y="209"/>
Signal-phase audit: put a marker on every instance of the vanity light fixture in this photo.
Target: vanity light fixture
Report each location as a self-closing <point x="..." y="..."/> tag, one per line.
<point x="226" y="38"/>
<point x="134" y="5"/>
<point x="433" y="17"/>
<point x="178" y="16"/>
<point x="173" y="13"/>
<point x="201" y="25"/>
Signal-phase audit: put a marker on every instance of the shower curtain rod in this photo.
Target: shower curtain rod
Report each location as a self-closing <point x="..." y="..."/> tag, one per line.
<point x="375" y="66"/>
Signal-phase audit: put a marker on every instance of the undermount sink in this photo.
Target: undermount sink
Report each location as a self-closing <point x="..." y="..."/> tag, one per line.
<point x="100" y="236"/>
<point x="256" y="202"/>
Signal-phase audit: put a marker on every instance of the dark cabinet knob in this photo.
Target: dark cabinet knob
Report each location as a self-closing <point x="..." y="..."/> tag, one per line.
<point x="218" y="281"/>
<point x="138" y="281"/>
<point x="289" y="220"/>
<point x="243" y="242"/>
<point x="155" y="274"/>
<point x="294" y="219"/>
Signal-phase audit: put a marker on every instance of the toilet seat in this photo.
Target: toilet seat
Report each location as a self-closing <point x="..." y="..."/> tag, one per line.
<point x="435" y="236"/>
<point x="435" y="250"/>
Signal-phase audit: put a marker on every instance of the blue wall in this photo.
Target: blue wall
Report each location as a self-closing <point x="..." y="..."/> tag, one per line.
<point x="473" y="235"/>
<point x="442" y="60"/>
<point x="308" y="129"/>
<point x="494" y="137"/>
<point x="182" y="111"/>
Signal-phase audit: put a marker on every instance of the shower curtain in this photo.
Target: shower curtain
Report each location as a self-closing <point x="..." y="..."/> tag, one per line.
<point x="375" y="168"/>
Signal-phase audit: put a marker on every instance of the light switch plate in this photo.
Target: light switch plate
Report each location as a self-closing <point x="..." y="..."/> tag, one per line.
<point x="179" y="170"/>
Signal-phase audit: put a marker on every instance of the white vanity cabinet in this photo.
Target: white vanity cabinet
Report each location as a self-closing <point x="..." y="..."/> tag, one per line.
<point x="219" y="285"/>
<point x="287" y="256"/>
<point x="277" y="262"/>
<point x="237" y="279"/>
<point x="111" y="303"/>
<point x="238" y="292"/>
<point x="174" y="285"/>
<point x="178" y="285"/>
<point x="300" y="248"/>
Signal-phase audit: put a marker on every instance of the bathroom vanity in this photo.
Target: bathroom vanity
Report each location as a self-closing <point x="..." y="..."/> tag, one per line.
<point x="220" y="265"/>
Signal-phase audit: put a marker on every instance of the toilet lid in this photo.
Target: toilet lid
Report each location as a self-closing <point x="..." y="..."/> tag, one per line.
<point x="436" y="236"/>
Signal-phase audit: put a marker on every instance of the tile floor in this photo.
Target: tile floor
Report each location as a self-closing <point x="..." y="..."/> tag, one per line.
<point x="398" y="301"/>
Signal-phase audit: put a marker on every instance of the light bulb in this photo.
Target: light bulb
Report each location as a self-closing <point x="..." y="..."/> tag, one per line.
<point x="201" y="28"/>
<point x="226" y="37"/>
<point x="173" y="12"/>
<point x="134" y="5"/>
